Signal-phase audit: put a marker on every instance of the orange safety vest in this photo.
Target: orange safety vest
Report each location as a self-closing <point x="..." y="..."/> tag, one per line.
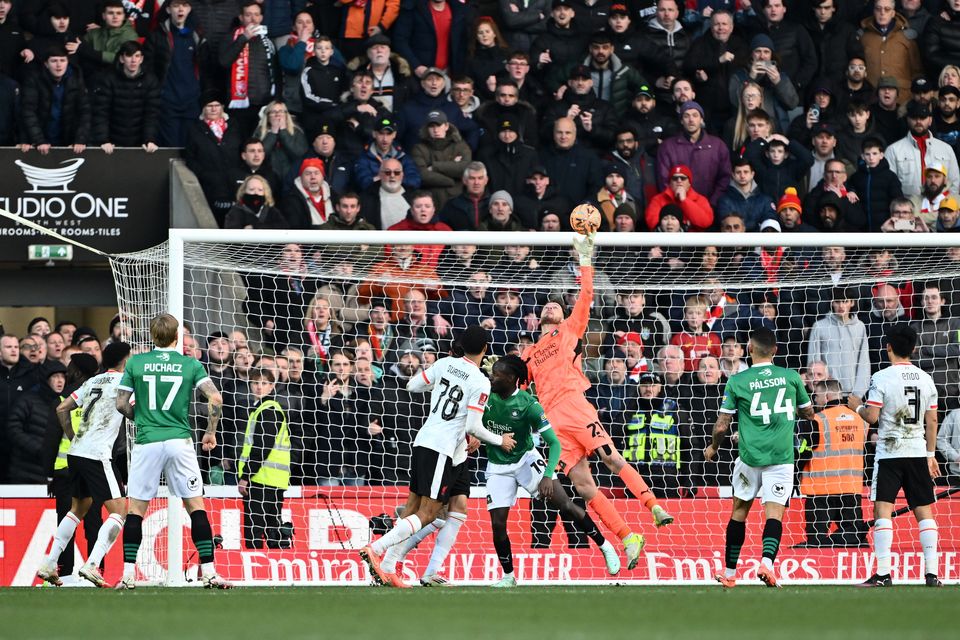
<point x="837" y="463"/>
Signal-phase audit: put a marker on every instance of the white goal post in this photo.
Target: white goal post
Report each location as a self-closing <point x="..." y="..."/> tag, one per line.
<point x="650" y="290"/>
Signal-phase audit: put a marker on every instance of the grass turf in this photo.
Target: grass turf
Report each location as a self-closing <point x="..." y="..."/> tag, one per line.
<point x="534" y="613"/>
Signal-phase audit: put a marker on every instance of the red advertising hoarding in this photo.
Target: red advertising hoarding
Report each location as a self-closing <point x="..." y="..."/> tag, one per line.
<point x="332" y="523"/>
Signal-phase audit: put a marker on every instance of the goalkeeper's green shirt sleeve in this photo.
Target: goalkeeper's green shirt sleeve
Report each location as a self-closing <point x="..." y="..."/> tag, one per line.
<point x="553" y="457"/>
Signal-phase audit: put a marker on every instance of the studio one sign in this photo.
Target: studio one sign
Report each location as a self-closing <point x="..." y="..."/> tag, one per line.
<point x="116" y="203"/>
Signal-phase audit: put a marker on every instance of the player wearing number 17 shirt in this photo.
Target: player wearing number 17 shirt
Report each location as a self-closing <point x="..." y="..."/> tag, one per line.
<point x="164" y="380"/>
<point x="458" y="393"/>
<point x="766" y="400"/>
<point x="902" y="400"/>
<point x="555" y="366"/>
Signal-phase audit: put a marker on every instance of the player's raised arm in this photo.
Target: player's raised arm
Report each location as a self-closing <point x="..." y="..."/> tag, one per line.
<point x="580" y="315"/>
<point x="420" y="381"/>
<point x="214" y="412"/>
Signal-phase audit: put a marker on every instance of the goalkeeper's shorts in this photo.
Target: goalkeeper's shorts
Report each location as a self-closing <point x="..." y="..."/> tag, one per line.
<point x="579" y="430"/>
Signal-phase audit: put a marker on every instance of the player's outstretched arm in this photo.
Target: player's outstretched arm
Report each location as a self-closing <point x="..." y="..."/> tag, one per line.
<point x="807" y="413"/>
<point x="547" y="484"/>
<point x="214" y="412"/>
<point x="63" y="416"/>
<point x="580" y="315"/>
<point x="720" y="430"/>
<point x="123" y="403"/>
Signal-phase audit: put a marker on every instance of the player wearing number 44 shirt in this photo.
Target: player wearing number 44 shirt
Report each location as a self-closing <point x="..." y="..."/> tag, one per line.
<point x="766" y="401"/>
<point x="555" y="366"/>
<point x="91" y="466"/>
<point x="902" y="401"/>
<point x="458" y="393"/>
<point x="164" y="380"/>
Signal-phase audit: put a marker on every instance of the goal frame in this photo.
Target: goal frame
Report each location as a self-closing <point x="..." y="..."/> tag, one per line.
<point x="178" y="237"/>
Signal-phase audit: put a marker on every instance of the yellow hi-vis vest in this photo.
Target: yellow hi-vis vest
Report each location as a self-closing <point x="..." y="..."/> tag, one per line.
<point x="275" y="470"/>
<point x="75" y="417"/>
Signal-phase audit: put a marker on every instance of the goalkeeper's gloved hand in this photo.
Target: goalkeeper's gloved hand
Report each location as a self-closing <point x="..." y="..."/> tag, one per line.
<point x="584" y="246"/>
<point x="487" y="364"/>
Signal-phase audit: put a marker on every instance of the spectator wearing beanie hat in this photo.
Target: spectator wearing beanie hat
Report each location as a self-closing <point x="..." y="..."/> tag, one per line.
<point x="613" y="193"/>
<point x="790" y="213"/>
<point x="213" y="145"/>
<point x="671" y="219"/>
<point x="705" y="154"/>
<point x="309" y="203"/>
<point x="625" y="218"/>
<point x="509" y="160"/>
<point x="501" y="216"/>
<point x="697" y="211"/>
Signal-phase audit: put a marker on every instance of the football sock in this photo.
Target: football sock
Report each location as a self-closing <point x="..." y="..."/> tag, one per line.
<point x="589" y="527"/>
<point x="504" y="553"/>
<point x="736" y="534"/>
<point x="398" y="552"/>
<point x="882" y="541"/>
<point x="403" y="530"/>
<point x="772" y="532"/>
<point x="65" y="531"/>
<point x="928" y="542"/>
<point x="445" y="541"/>
<point x="202" y="535"/>
<point x="639" y="489"/>
<point x="608" y="515"/>
<point x="132" y="535"/>
<point x="105" y="539"/>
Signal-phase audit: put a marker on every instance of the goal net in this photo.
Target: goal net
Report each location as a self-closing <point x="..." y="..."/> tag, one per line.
<point x="342" y="320"/>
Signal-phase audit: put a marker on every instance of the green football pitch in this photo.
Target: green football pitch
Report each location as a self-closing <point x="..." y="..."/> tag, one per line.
<point x="535" y="613"/>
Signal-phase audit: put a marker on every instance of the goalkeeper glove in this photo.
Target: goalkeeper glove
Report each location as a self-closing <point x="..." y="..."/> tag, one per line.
<point x="584" y="246"/>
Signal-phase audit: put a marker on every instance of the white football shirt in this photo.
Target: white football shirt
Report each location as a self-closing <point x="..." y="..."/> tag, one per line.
<point x="904" y="393"/>
<point x="100" y="421"/>
<point x="457" y="387"/>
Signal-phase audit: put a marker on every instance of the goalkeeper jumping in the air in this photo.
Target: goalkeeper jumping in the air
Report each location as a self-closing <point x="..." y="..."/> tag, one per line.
<point x="511" y="410"/>
<point x="554" y="364"/>
<point x="766" y="400"/>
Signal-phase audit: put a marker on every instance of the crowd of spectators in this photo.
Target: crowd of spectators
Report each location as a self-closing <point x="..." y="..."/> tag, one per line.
<point x="702" y="110"/>
<point x="814" y="117"/>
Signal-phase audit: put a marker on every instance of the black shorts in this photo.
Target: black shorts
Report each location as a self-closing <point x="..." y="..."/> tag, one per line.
<point x="93" y="479"/>
<point x="909" y="473"/>
<point x="431" y="474"/>
<point x="461" y="479"/>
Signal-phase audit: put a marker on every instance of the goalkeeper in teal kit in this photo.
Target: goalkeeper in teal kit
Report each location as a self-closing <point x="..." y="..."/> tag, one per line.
<point x="511" y="410"/>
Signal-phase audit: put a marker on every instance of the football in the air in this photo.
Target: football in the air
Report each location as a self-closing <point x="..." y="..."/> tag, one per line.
<point x="585" y="218"/>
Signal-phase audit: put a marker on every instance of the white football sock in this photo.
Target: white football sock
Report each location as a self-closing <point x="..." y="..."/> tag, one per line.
<point x="129" y="569"/>
<point x="404" y="529"/>
<point x="398" y="552"/>
<point x="882" y="541"/>
<point x="65" y="531"/>
<point x="105" y="539"/>
<point x="445" y="541"/>
<point x="928" y="542"/>
<point x="208" y="569"/>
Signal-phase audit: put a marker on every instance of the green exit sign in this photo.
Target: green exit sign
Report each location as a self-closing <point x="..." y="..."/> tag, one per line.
<point x="50" y="252"/>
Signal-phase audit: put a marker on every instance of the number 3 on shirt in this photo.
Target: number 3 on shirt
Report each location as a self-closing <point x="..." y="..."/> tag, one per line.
<point x="151" y="381"/>
<point x="762" y="409"/>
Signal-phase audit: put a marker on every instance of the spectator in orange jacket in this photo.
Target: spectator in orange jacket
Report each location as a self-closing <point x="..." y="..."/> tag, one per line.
<point x="697" y="212"/>
<point x="401" y="271"/>
<point x="365" y="18"/>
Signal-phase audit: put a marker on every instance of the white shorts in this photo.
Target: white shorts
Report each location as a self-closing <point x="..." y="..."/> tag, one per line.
<point x="503" y="480"/>
<point x="177" y="459"/>
<point x="774" y="483"/>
